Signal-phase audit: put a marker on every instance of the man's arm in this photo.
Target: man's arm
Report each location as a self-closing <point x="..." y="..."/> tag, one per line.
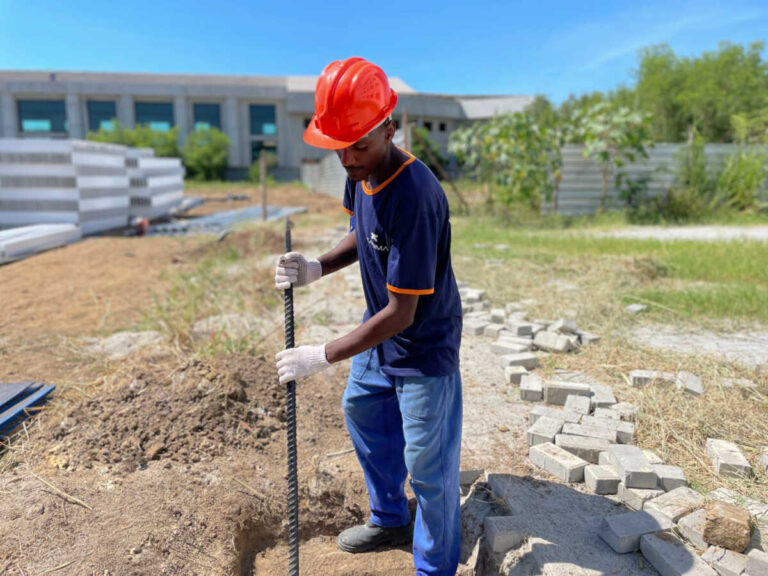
<point x="395" y="317"/>
<point x="343" y="255"/>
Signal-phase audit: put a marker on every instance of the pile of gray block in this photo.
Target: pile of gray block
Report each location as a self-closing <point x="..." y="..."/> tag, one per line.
<point x="516" y="336"/>
<point x="156" y="184"/>
<point x="686" y="381"/>
<point x="63" y="182"/>
<point x="17" y="243"/>
<point x="582" y="434"/>
<point x="682" y="532"/>
<point x="92" y="185"/>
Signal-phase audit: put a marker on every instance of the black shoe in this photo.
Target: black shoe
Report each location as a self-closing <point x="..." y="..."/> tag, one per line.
<point x="369" y="536"/>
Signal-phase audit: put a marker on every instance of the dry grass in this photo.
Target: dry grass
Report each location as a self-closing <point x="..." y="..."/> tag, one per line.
<point x="670" y="422"/>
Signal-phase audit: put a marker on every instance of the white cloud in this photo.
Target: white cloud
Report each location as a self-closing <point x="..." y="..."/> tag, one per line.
<point x="601" y="42"/>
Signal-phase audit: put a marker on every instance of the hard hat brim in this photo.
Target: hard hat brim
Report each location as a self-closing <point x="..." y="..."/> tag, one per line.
<point x="315" y="137"/>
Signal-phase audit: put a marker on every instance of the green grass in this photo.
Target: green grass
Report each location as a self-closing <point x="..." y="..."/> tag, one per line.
<point x="698" y="279"/>
<point x="730" y="301"/>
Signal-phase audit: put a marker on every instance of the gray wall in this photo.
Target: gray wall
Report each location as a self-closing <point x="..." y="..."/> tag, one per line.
<point x="581" y="186"/>
<point x="326" y="176"/>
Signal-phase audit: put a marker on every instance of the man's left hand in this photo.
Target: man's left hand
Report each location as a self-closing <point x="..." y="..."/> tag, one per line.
<point x="296" y="363"/>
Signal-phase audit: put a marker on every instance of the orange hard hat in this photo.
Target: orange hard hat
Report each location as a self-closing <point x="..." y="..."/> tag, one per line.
<point x="352" y="97"/>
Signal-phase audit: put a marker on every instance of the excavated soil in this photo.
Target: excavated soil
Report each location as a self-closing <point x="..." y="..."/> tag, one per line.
<point x="195" y="412"/>
<point x="176" y="471"/>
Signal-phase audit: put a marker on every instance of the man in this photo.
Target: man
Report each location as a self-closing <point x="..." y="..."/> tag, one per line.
<point x="402" y="403"/>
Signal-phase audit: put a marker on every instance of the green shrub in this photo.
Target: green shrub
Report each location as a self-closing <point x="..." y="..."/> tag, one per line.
<point x="205" y="154"/>
<point x="743" y="176"/>
<point x="692" y="196"/>
<point x="421" y="146"/>
<point x="512" y="156"/>
<point x="165" y="144"/>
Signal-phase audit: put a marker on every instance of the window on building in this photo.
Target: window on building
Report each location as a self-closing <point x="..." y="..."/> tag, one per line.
<point x="101" y="114"/>
<point x="206" y="116"/>
<point x="442" y="127"/>
<point x="42" y="116"/>
<point x="263" y="120"/>
<point x="270" y="149"/>
<point x="157" y="115"/>
<point x="428" y="126"/>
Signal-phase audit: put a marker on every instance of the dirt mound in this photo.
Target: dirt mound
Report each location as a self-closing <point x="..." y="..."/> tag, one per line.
<point x="193" y="413"/>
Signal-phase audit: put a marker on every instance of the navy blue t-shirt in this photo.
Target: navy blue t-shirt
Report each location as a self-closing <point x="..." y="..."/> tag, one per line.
<point x="404" y="245"/>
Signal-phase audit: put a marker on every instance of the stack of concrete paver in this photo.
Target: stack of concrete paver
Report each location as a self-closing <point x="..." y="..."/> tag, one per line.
<point x="581" y="433"/>
<point x="517" y="337"/>
<point x="156" y="184"/>
<point x="686" y="381"/>
<point x="590" y="440"/>
<point x="63" y="182"/>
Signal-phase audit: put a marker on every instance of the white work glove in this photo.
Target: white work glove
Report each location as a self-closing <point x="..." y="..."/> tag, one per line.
<point x="296" y="363"/>
<point x="293" y="268"/>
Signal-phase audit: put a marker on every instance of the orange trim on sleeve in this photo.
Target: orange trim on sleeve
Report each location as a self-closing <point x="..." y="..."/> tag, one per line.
<point x="347" y="210"/>
<point x="369" y="192"/>
<point x="409" y="291"/>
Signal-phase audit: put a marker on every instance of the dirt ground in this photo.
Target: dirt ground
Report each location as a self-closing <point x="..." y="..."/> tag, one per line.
<point x="171" y="460"/>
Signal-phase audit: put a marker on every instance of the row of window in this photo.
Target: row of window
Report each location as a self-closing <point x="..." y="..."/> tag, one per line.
<point x="51" y="116"/>
<point x="428" y="126"/>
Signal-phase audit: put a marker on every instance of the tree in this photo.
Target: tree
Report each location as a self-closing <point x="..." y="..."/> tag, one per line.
<point x="660" y="78"/>
<point x="718" y="85"/>
<point x="165" y="144"/>
<point x="543" y="112"/>
<point x="750" y="128"/>
<point x="205" y="154"/>
<point x="613" y="136"/>
<point x="511" y="154"/>
<point x="574" y="108"/>
<point x="427" y="150"/>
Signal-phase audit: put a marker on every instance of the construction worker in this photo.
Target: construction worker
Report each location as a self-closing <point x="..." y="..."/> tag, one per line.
<point x="402" y="403"/>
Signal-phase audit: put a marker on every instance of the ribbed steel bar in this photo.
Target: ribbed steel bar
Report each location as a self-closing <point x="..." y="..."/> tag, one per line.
<point x="290" y="409"/>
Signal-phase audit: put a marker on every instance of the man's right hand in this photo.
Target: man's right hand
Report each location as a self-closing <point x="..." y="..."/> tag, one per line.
<point x="294" y="269"/>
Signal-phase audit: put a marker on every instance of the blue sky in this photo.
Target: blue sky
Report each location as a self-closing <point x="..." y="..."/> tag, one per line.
<point x="501" y="47"/>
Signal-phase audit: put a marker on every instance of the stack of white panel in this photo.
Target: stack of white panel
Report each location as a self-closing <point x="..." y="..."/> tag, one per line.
<point x="157" y="184"/>
<point x="20" y="242"/>
<point x="63" y="181"/>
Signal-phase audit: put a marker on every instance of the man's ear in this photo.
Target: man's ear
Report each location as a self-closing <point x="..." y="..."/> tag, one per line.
<point x="389" y="131"/>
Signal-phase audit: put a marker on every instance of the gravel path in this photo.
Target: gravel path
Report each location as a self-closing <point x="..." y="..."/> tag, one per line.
<point x="747" y="348"/>
<point x="695" y="233"/>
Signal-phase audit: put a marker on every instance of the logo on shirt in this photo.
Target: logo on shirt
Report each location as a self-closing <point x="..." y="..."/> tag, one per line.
<point x="373" y="242"/>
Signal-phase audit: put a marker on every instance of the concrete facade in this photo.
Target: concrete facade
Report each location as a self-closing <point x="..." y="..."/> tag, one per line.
<point x="291" y="96"/>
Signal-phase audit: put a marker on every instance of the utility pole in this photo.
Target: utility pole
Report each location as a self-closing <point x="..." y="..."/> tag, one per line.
<point x="263" y="179"/>
<point x="406" y="131"/>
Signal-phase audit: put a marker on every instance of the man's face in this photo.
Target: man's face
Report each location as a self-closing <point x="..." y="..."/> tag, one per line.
<point x="362" y="158"/>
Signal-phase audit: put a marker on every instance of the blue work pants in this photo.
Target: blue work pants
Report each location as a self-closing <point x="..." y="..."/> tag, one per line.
<point x="409" y="425"/>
